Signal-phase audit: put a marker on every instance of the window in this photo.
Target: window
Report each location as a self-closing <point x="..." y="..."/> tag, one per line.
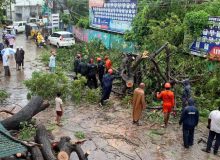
<point x="67" y="36"/>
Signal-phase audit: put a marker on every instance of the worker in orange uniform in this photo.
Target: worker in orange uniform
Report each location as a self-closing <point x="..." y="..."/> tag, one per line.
<point x="167" y="97"/>
<point x="108" y="63"/>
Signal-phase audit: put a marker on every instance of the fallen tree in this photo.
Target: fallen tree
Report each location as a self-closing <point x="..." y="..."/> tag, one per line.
<point x="35" y="106"/>
<point x="42" y="138"/>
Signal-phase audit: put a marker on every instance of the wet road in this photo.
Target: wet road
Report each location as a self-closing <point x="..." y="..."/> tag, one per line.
<point x="110" y="134"/>
<point x="14" y="84"/>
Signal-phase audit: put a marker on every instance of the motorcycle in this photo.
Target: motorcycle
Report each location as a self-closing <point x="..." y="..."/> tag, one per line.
<point x="41" y="44"/>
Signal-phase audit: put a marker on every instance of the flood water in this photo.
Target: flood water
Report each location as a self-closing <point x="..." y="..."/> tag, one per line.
<point x="109" y="133"/>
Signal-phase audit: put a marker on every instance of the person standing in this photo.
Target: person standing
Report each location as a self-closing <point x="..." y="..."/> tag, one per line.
<point x="83" y="68"/>
<point x="214" y="131"/>
<point x="92" y="71"/>
<point x="189" y="119"/>
<point x="138" y="103"/>
<point x="59" y="108"/>
<point x="107" y="86"/>
<point x="22" y="52"/>
<point x="101" y="69"/>
<point x="167" y="97"/>
<point x="11" y="42"/>
<point x="5" y="59"/>
<point x="52" y="63"/>
<point x="76" y="63"/>
<point x="18" y="58"/>
<point x="186" y="93"/>
<point x="108" y="63"/>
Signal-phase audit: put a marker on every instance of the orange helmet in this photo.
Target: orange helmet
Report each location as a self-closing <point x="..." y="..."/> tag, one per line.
<point x="167" y="85"/>
<point x="99" y="59"/>
<point x="110" y="71"/>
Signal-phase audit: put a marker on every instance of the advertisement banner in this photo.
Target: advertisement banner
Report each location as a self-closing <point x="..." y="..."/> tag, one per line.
<point x="112" y="15"/>
<point x="208" y="45"/>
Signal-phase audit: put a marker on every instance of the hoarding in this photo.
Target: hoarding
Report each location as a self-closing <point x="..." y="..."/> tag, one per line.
<point x="208" y="44"/>
<point x="112" y="15"/>
<point x="55" y="19"/>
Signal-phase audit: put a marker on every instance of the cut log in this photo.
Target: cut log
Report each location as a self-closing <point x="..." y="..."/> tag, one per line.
<point x="35" y="106"/>
<point x="36" y="153"/>
<point x="42" y="138"/>
<point x="65" y="148"/>
<point x="79" y="152"/>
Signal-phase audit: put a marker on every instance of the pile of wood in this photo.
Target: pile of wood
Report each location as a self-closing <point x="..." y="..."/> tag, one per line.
<point x="43" y="148"/>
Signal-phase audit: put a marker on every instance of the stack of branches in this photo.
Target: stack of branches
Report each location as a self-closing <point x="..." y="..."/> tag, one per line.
<point x="43" y="148"/>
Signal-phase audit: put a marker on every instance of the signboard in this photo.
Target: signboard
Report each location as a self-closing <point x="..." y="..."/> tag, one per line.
<point x="55" y="20"/>
<point x="208" y="45"/>
<point x="112" y="15"/>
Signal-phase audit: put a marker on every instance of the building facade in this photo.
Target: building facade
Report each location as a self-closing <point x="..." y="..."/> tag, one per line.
<point x="23" y="9"/>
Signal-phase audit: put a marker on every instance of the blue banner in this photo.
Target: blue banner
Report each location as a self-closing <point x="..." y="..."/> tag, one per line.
<point x="208" y="44"/>
<point x="112" y="15"/>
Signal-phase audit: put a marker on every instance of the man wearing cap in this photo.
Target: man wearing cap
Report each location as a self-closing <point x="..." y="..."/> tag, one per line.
<point x="101" y="69"/>
<point x="92" y="71"/>
<point x="107" y="86"/>
<point x="167" y="97"/>
<point x="138" y="103"/>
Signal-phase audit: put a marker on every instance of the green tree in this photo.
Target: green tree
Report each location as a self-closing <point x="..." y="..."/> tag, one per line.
<point x="78" y="9"/>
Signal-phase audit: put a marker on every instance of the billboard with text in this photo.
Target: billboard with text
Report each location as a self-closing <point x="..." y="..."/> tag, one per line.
<point x="208" y="44"/>
<point x="112" y="15"/>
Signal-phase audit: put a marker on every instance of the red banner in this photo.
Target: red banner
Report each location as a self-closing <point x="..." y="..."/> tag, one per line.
<point x="96" y="3"/>
<point x="214" y="54"/>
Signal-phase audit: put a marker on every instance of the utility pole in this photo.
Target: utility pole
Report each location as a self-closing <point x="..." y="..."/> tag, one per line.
<point x="10" y="10"/>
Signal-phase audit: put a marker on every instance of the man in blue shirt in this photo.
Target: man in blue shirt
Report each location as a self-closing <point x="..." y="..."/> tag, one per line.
<point x="107" y="86"/>
<point x="189" y="119"/>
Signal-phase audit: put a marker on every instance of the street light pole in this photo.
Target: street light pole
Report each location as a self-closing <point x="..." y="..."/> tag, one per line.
<point x="10" y="10"/>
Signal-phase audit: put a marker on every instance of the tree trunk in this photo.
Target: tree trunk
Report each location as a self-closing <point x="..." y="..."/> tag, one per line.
<point x="36" y="153"/>
<point x="42" y="138"/>
<point x="35" y="106"/>
<point x="65" y="148"/>
<point x="79" y="152"/>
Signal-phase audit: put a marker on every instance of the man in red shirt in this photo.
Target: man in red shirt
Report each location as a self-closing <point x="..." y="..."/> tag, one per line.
<point x="167" y="97"/>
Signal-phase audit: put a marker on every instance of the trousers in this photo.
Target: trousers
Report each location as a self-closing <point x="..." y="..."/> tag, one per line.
<point x="211" y="137"/>
<point x="188" y="136"/>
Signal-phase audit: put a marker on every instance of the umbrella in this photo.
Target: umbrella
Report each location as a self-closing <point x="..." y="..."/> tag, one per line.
<point x="8" y="50"/>
<point x="8" y="36"/>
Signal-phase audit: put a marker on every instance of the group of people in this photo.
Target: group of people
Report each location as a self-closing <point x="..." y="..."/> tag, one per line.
<point x="189" y="117"/>
<point x="90" y="69"/>
<point x="189" y="114"/>
<point x="103" y="69"/>
<point x="19" y="58"/>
